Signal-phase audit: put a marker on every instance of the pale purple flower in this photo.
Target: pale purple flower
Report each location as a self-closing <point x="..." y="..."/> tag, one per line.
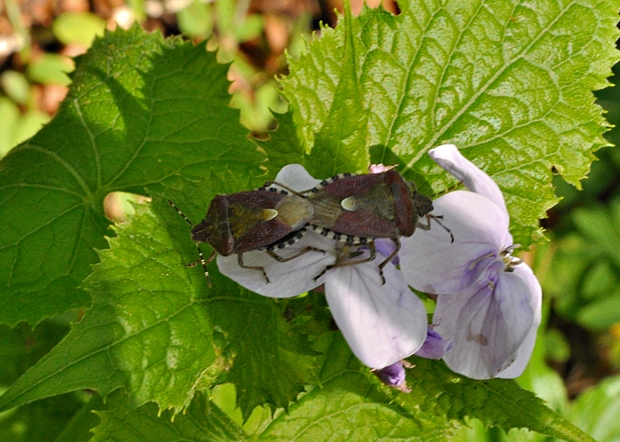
<point x="488" y="302"/>
<point x="434" y="347"/>
<point x="394" y="375"/>
<point x="382" y="323"/>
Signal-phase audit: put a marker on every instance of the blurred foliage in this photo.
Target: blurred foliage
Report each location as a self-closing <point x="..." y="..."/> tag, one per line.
<point x="251" y="36"/>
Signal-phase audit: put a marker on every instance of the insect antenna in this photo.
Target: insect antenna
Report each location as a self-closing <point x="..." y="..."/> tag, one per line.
<point x="202" y="258"/>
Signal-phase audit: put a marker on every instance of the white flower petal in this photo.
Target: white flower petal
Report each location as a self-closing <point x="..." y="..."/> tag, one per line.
<point x="488" y="326"/>
<point x="381" y="323"/>
<point x="450" y="159"/>
<point x="433" y="264"/>
<point x="286" y="279"/>
<point x="296" y="177"/>
<point x="525" y="351"/>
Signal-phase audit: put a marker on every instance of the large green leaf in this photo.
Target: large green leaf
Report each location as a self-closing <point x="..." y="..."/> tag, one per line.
<point x="20" y="349"/>
<point x="437" y="397"/>
<point x="148" y="329"/>
<point x="596" y="410"/>
<point x="509" y="82"/>
<point x="273" y="361"/>
<point x="141" y="111"/>
<point x="151" y="330"/>
<point x="202" y="421"/>
<point x="496" y="402"/>
<point x="350" y="405"/>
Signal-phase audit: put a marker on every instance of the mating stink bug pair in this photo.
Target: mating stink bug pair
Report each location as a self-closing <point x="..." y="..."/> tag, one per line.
<point x="354" y="209"/>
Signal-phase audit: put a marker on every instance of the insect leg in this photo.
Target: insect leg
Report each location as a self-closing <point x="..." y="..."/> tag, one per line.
<point x="259" y="268"/>
<point x="340" y="263"/>
<point x="389" y="258"/>
<point x="285" y="187"/>
<point x="296" y="255"/>
<point x="204" y="263"/>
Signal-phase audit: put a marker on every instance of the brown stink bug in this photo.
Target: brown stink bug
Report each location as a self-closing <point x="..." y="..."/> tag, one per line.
<point x="357" y="209"/>
<point x="263" y="219"/>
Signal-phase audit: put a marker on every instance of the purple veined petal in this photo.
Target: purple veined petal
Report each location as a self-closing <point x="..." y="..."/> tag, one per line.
<point x="431" y="263"/>
<point x="476" y="180"/>
<point x="434" y="347"/>
<point x="488" y="326"/>
<point x="525" y="351"/>
<point x="286" y="279"/>
<point x="381" y="323"/>
<point x="296" y="177"/>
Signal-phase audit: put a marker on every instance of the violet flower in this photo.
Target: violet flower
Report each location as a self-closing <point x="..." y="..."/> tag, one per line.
<point x="394" y="375"/>
<point x="488" y="302"/>
<point x="382" y="323"/>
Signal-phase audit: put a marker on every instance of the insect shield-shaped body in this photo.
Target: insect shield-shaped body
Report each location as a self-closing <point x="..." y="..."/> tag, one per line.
<point x="357" y="209"/>
<point x="254" y="220"/>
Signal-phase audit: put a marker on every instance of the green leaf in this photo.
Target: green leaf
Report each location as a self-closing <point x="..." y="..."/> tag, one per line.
<point x="9" y="117"/>
<point x="337" y="143"/>
<point x="148" y="329"/>
<point x="202" y="421"/>
<point x="195" y="20"/>
<point x="15" y="86"/>
<point x="21" y="348"/>
<point x="602" y="313"/>
<point x="497" y="402"/>
<point x="338" y="140"/>
<point x="29" y="124"/>
<point x="79" y="428"/>
<point x="283" y="147"/>
<point x="78" y="27"/>
<point x="350" y="406"/>
<point x="141" y="111"/>
<point x="596" y="410"/>
<point x="41" y="421"/>
<point x="273" y="360"/>
<point x="508" y="83"/>
<point x="50" y="69"/>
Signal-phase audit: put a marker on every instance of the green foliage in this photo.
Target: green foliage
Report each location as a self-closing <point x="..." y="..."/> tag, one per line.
<point x="584" y="274"/>
<point x="351" y="405"/>
<point x="133" y="119"/>
<point x="78" y="27"/>
<point x="16" y="128"/>
<point x="490" y="77"/>
<point x="496" y="402"/>
<point x="596" y="410"/>
<point x="50" y="69"/>
<point x="508" y="83"/>
<point x="42" y="420"/>
<point x="202" y="421"/>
